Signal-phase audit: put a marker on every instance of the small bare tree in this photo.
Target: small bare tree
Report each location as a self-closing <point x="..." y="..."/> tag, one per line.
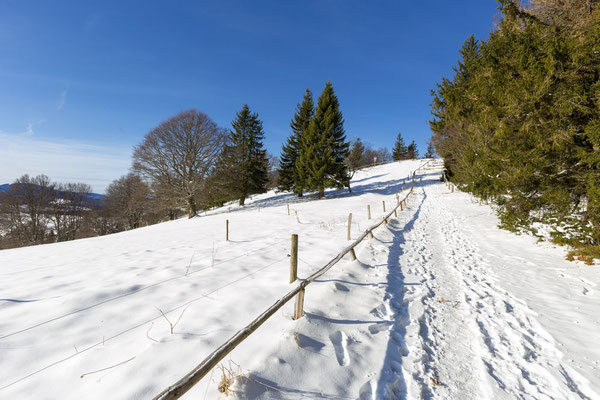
<point x="26" y="205"/>
<point x="127" y="199"/>
<point x="179" y="154"/>
<point x="69" y="208"/>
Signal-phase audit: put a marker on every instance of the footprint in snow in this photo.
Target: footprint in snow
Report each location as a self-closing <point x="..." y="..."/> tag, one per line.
<point x="368" y="391"/>
<point x="308" y="343"/>
<point x="340" y="344"/>
<point x="382" y="311"/>
<point x="341" y="288"/>
<point x="378" y="327"/>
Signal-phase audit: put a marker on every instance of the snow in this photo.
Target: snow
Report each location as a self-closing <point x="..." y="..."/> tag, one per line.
<point x="440" y="304"/>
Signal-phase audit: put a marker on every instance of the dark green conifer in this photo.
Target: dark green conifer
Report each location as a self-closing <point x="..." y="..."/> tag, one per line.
<point x="324" y="147"/>
<point x="411" y="151"/>
<point x="518" y="123"/>
<point x="430" y="150"/>
<point x="290" y="175"/>
<point x="400" y="152"/>
<point x="243" y="164"/>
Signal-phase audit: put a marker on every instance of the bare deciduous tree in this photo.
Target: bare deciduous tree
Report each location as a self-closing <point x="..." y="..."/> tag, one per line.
<point x="127" y="198"/>
<point x="179" y="154"/>
<point x="26" y="209"/>
<point x="69" y="206"/>
<point x="572" y="14"/>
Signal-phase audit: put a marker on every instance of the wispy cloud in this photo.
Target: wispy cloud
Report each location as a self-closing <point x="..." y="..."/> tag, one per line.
<point x="62" y="161"/>
<point x="62" y="99"/>
<point x="28" y="129"/>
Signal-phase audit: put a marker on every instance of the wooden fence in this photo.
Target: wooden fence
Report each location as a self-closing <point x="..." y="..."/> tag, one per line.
<point x="179" y="388"/>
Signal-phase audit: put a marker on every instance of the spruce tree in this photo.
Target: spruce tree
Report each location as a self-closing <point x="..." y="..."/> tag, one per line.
<point x="412" y="152"/>
<point x="400" y="152"/>
<point x="243" y="165"/>
<point x="518" y="122"/>
<point x="430" y="150"/>
<point x="290" y="175"/>
<point x="355" y="157"/>
<point x="324" y="147"/>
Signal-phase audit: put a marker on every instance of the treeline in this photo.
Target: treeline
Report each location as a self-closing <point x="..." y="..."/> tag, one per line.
<point x="519" y="122"/>
<point x="35" y="210"/>
<point x="187" y="164"/>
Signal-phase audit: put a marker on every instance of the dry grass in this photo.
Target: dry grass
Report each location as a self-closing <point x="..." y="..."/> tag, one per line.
<point x="435" y="382"/>
<point x="228" y="377"/>
<point x="586" y="254"/>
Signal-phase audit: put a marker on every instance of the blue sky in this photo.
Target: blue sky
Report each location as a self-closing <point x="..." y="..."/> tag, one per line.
<point x="81" y="82"/>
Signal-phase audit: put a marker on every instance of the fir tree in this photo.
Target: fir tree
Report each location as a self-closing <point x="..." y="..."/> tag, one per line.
<point x="324" y="147"/>
<point x="290" y="175"/>
<point x="430" y="150"/>
<point x="518" y="123"/>
<point x="400" y="151"/>
<point x="355" y="157"/>
<point x="243" y="166"/>
<point x="411" y="151"/>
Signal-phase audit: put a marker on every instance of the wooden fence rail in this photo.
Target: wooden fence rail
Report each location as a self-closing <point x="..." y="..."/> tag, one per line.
<point x="178" y="389"/>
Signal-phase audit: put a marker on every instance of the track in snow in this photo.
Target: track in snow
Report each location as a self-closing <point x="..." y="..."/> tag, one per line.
<point x="457" y="333"/>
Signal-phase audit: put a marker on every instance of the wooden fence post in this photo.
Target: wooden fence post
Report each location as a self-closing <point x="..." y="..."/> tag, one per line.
<point x="371" y="234"/>
<point x="288" y="207"/>
<point x="368" y="211"/>
<point x="227" y="230"/>
<point x="349" y="224"/>
<point x="383" y="202"/>
<point x="297" y="217"/>
<point x="397" y="198"/>
<point x="299" y="305"/>
<point x="294" y="259"/>
<point x="352" y="254"/>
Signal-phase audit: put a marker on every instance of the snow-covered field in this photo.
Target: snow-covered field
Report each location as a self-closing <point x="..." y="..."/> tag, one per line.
<point x="440" y="304"/>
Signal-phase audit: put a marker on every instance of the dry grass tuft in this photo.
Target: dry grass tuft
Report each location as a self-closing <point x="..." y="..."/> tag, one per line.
<point x="435" y="382"/>
<point x="228" y="377"/>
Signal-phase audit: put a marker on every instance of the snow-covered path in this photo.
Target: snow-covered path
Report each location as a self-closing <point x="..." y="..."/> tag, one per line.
<point x="471" y="337"/>
<point x="452" y="324"/>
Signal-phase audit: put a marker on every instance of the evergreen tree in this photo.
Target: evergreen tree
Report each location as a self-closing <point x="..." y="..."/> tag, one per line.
<point x="290" y="175"/>
<point x="243" y="165"/>
<point x="400" y="151"/>
<point x="430" y="150"/>
<point x="518" y="123"/>
<point x="355" y="157"/>
<point x="324" y="147"/>
<point x="411" y="151"/>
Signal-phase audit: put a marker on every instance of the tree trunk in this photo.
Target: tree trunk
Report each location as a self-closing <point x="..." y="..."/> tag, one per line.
<point x="242" y="200"/>
<point x="191" y="207"/>
<point x="321" y="192"/>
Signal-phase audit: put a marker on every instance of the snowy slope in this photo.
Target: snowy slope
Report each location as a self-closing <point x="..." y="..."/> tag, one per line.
<point x="445" y="305"/>
<point x="440" y="304"/>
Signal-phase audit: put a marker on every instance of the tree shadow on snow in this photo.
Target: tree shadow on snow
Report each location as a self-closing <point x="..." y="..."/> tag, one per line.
<point x="386" y="188"/>
<point x="254" y="386"/>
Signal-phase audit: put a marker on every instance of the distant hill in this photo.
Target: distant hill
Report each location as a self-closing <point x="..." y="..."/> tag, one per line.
<point x="94" y="197"/>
